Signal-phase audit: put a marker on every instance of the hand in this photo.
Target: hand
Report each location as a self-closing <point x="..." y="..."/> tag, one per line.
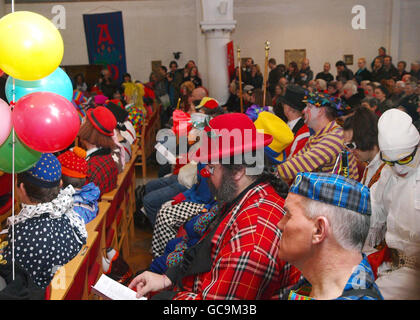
<point x="178" y="198"/>
<point x="149" y="282"/>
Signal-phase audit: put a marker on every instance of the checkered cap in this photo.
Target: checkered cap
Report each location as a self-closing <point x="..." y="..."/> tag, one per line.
<point x="333" y="189"/>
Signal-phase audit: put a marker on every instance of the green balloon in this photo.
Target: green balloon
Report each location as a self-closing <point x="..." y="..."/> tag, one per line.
<point x="25" y="157"/>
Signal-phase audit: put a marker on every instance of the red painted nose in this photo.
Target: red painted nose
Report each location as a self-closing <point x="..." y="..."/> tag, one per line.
<point x="205" y="173"/>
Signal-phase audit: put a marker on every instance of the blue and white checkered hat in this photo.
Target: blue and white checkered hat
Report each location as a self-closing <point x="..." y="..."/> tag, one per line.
<point x="46" y="172"/>
<point x="333" y="189"/>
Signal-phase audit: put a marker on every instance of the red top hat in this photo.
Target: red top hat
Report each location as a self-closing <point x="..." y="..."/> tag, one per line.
<point x="103" y="120"/>
<point x="234" y="133"/>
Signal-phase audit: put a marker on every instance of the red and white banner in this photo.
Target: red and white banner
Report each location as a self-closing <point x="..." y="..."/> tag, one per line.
<point x="230" y="59"/>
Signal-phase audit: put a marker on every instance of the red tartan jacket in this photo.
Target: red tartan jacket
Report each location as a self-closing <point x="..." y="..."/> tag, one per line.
<point x="103" y="172"/>
<point x="301" y="137"/>
<point x="244" y="253"/>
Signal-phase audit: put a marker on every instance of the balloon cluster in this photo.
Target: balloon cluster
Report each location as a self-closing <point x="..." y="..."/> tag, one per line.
<point x="38" y="90"/>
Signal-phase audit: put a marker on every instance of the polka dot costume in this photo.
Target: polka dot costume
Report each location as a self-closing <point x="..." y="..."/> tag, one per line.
<point x="42" y="245"/>
<point x="47" y="236"/>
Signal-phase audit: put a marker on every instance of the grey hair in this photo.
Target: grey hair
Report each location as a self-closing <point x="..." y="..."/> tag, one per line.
<point x="350" y="228"/>
<point x="350" y="86"/>
<point x="322" y="83"/>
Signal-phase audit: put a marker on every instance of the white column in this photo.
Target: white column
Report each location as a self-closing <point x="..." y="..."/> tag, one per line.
<point x="217" y="26"/>
<point x="395" y="31"/>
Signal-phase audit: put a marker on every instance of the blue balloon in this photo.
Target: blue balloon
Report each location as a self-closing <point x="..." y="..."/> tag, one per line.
<point x="57" y="82"/>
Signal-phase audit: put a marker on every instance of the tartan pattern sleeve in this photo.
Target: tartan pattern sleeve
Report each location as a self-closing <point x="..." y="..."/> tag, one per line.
<point x="245" y="263"/>
<point x="103" y="172"/>
<point x="319" y="154"/>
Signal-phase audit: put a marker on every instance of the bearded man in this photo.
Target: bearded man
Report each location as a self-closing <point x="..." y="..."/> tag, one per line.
<point x="237" y="256"/>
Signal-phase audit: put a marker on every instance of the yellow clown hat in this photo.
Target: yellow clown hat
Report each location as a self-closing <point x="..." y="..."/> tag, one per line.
<point x="282" y="135"/>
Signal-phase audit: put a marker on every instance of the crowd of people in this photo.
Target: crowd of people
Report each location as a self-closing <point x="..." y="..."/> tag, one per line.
<point x="315" y="196"/>
<point x="336" y="160"/>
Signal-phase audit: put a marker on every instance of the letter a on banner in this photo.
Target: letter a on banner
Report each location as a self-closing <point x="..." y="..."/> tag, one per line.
<point x="107" y="38"/>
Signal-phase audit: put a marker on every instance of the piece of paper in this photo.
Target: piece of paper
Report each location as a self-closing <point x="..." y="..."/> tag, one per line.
<point x="165" y="152"/>
<point x="113" y="290"/>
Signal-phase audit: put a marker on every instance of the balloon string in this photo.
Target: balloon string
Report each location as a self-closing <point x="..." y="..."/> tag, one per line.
<point x="13" y="174"/>
<point x="13" y="188"/>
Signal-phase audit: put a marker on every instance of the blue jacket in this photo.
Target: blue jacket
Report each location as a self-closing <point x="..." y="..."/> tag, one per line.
<point x="199" y="192"/>
<point x="86" y="202"/>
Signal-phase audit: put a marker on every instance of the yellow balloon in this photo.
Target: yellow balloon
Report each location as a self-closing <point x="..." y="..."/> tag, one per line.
<point x="31" y="47"/>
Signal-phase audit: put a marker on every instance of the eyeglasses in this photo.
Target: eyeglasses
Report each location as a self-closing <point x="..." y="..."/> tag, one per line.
<point x="196" y="103"/>
<point x="350" y="145"/>
<point x="402" y="161"/>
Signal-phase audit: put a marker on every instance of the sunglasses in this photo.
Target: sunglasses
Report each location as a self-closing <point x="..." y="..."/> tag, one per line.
<point x="196" y="102"/>
<point x="350" y="145"/>
<point x="402" y="161"/>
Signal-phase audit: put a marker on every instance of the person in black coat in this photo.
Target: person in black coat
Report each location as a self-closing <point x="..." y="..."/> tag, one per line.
<point x="363" y="73"/>
<point x="378" y="72"/>
<point x="401" y="70"/>
<point x="343" y="73"/>
<point x="389" y="69"/>
<point x="381" y="55"/>
<point x="415" y="70"/>
<point x="306" y="74"/>
<point x="292" y="74"/>
<point x="256" y="80"/>
<point x="273" y="76"/>
<point x="325" y="75"/>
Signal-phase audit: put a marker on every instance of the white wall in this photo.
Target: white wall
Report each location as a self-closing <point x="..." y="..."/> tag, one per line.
<point x="322" y="27"/>
<point x="410" y="31"/>
<point x="154" y="29"/>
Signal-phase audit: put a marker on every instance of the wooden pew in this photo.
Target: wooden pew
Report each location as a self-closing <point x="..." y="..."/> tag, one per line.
<point x="96" y="239"/>
<point x="122" y="206"/>
<point x="70" y="281"/>
<point x="147" y="138"/>
<point x="98" y="223"/>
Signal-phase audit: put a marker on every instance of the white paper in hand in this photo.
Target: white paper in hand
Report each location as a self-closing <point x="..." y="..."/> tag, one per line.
<point x="113" y="290"/>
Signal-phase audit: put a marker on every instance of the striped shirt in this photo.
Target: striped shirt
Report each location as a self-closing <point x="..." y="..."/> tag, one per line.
<point x="319" y="154"/>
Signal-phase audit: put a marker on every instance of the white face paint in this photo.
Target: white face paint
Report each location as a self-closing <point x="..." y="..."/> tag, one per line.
<point x="407" y="170"/>
<point x="311" y="114"/>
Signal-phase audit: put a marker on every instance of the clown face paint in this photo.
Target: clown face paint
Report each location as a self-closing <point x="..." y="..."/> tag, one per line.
<point x="311" y="114"/>
<point x="408" y="169"/>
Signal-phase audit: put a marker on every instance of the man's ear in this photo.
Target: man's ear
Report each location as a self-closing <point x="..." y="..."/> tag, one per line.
<point x="239" y="174"/>
<point x="320" y="230"/>
<point x="61" y="183"/>
<point x="23" y="195"/>
<point x="21" y="187"/>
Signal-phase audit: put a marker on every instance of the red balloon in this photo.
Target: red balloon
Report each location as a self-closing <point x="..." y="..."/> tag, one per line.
<point x="45" y="121"/>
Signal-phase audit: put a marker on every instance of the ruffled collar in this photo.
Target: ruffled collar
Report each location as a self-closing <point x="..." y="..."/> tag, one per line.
<point x="56" y="208"/>
<point x="62" y="205"/>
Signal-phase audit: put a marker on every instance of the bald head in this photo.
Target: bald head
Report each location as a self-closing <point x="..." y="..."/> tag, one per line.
<point x="198" y="93"/>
